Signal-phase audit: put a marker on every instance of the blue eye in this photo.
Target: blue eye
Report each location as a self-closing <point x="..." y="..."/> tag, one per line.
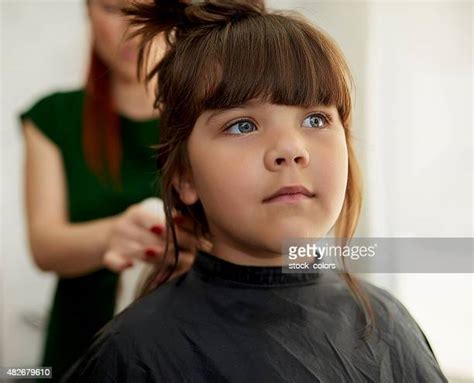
<point x="240" y="127"/>
<point x="317" y="120"/>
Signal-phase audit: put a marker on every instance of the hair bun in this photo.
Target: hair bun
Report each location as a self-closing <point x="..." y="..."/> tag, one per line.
<point x="223" y="11"/>
<point x="175" y="18"/>
<point x="159" y="15"/>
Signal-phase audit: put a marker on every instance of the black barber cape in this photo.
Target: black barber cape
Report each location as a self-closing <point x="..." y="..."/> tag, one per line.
<point x="223" y="322"/>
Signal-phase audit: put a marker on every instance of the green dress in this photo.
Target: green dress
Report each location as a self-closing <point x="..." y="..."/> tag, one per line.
<point x="81" y="306"/>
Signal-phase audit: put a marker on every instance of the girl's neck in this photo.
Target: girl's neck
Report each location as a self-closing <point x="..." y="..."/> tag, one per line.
<point x="132" y="100"/>
<point x="247" y="257"/>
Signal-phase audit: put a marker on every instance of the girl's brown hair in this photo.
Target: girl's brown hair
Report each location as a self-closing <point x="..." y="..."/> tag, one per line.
<point x="222" y="54"/>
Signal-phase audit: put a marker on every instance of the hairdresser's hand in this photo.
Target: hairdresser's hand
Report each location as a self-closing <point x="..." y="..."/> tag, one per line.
<point x="131" y="239"/>
<point x="185" y="235"/>
<point x="188" y="244"/>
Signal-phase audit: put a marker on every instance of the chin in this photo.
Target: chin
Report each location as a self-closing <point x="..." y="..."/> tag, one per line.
<point x="303" y="229"/>
<point x="277" y="239"/>
<point x="126" y="72"/>
<point x="307" y="234"/>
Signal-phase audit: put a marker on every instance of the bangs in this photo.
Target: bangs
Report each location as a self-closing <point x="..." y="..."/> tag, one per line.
<point x="274" y="58"/>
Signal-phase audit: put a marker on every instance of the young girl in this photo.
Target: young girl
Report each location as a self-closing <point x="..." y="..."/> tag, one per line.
<point x="256" y="148"/>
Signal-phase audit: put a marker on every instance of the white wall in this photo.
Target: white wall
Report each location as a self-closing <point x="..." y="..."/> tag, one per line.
<point x="44" y="48"/>
<point x="412" y="63"/>
<point x="419" y="111"/>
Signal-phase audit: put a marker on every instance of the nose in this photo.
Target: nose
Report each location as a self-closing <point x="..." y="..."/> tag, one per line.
<point x="288" y="151"/>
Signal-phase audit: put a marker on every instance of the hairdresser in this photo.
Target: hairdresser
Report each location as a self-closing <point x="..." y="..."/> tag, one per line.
<point x="89" y="163"/>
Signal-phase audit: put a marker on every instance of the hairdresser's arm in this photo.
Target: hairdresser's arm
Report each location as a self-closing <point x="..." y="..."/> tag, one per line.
<point x="56" y="244"/>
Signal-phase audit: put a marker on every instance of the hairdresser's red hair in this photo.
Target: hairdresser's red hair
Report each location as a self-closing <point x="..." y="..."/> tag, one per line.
<point x="101" y="125"/>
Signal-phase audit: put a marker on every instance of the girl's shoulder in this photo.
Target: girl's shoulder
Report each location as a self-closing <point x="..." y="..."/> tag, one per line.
<point x="388" y="308"/>
<point x="153" y="338"/>
<point x="410" y="350"/>
<point x="392" y="318"/>
<point x="397" y="342"/>
<point x="140" y="336"/>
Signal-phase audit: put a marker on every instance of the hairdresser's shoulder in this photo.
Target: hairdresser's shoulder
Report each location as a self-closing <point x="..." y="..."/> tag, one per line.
<point x="54" y="109"/>
<point x="58" y="97"/>
<point x="55" y="114"/>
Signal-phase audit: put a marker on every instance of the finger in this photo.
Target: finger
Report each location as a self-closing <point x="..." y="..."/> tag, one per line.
<point x="186" y="225"/>
<point x="153" y="254"/>
<point x="133" y="250"/>
<point x="145" y="236"/>
<point x="186" y="259"/>
<point x="116" y="262"/>
<point x="146" y="220"/>
<point x="186" y="241"/>
<point x="183" y="222"/>
<point x="184" y="264"/>
<point x="204" y="245"/>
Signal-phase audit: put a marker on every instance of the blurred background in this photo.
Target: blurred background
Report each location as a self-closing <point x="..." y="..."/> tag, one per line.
<point x="412" y="63"/>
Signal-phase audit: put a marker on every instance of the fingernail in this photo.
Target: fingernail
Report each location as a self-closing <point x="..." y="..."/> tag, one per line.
<point x="157" y="229"/>
<point x="150" y="253"/>
<point x="178" y="220"/>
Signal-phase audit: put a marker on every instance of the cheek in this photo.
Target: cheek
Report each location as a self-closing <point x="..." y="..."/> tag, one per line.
<point x="107" y="36"/>
<point x="224" y="182"/>
<point x="331" y="175"/>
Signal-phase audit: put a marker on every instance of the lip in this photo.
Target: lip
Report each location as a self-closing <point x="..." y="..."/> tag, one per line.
<point x="289" y="194"/>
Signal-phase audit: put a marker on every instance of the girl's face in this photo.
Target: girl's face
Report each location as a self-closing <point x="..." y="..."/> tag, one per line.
<point x="239" y="157"/>
<point x="108" y="29"/>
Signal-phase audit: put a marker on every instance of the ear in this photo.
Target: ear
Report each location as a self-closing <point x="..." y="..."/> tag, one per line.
<point x="184" y="185"/>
